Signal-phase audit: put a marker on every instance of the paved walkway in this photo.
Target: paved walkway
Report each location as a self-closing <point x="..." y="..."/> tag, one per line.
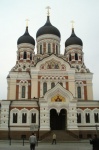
<point x="19" y="145"/>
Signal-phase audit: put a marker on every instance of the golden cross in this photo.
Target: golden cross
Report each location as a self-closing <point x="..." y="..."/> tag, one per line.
<point x="72" y="22"/>
<point x="27" y="22"/>
<point x="48" y="8"/>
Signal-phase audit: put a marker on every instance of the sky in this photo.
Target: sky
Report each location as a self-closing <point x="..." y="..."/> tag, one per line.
<point x="13" y="14"/>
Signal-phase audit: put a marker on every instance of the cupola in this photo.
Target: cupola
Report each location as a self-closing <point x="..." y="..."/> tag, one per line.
<point x="26" y="38"/>
<point x="73" y="40"/>
<point x="48" y="28"/>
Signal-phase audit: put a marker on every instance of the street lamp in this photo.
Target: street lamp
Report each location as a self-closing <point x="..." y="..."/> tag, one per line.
<point x="96" y="129"/>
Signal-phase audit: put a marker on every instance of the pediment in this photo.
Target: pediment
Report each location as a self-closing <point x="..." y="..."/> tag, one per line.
<point x="53" y="63"/>
<point x="58" y="94"/>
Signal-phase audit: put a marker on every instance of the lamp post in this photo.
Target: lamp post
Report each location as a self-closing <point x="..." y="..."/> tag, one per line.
<point x="96" y="129"/>
<point x="39" y="116"/>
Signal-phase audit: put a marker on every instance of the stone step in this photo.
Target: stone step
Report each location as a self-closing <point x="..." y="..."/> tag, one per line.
<point x="61" y="135"/>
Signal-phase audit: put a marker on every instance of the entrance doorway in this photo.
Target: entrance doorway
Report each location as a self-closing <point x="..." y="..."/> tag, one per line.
<point x="58" y="120"/>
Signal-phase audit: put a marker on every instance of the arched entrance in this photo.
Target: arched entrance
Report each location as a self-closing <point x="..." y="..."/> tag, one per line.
<point x="58" y="120"/>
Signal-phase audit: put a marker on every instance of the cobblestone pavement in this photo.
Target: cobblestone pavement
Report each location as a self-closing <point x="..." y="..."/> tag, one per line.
<point x="19" y="145"/>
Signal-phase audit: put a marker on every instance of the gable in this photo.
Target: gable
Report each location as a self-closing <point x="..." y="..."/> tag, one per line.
<point x="53" y="63"/>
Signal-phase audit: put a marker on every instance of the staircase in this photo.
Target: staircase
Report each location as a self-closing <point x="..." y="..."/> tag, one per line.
<point x="61" y="136"/>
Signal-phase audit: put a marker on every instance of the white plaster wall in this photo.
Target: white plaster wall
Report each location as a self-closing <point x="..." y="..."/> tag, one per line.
<point x="89" y="90"/>
<point x="11" y="89"/>
<point x="72" y="88"/>
<point x="34" y="86"/>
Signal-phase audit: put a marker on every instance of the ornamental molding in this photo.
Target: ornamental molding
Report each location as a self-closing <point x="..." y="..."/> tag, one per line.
<point x="48" y="36"/>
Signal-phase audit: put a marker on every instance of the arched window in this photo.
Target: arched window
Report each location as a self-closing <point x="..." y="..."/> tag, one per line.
<point x="52" y="85"/>
<point x="15" y="116"/>
<point x="76" y="56"/>
<point x="78" y="118"/>
<point x="96" y="117"/>
<point x="40" y="49"/>
<point x="87" y="118"/>
<point x="49" y="48"/>
<point x="56" y="49"/>
<point x="24" y="117"/>
<point x="23" y="92"/>
<point x="44" y="88"/>
<point x="25" y="55"/>
<point x="79" y="91"/>
<point x="33" y="118"/>
<point x="69" y="57"/>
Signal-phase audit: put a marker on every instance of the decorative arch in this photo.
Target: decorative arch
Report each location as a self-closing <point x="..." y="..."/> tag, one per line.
<point x="54" y="61"/>
<point x="87" y="115"/>
<point x="34" y="115"/>
<point x="80" y="116"/>
<point x="60" y="92"/>
<point x="95" y="113"/>
<point x="58" y="120"/>
<point x="14" y="116"/>
<point x="79" y="90"/>
<point x="23" y="89"/>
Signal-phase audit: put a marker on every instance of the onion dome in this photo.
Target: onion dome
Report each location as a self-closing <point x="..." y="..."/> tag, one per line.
<point x="26" y="38"/>
<point x="48" y="28"/>
<point x="73" y="40"/>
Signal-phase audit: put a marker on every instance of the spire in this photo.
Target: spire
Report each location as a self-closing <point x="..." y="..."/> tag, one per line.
<point x="73" y="39"/>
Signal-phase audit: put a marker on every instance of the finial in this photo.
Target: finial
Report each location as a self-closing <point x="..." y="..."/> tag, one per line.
<point x="72" y="22"/>
<point x="27" y="22"/>
<point x="48" y="8"/>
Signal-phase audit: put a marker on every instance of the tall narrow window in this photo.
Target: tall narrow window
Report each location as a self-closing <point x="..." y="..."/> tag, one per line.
<point x="96" y="118"/>
<point x="23" y="91"/>
<point x="15" y="116"/>
<point x="44" y="88"/>
<point x="40" y="49"/>
<point x="87" y="118"/>
<point x="25" y="55"/>
<point x="76" y="56"/>
<point x="69" y="57"/>
<point x="33" y="118"/>
<point x="52" y="85"/>
<point x="30" y="56"/>
<point x="49" y="48"/>
<point x="79" y="91"/>
<point x="56" y="49"/>
<point x="24" y="118"/>
<point x="78" y="118"/>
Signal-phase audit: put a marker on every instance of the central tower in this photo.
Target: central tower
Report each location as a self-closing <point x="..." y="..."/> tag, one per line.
<point x="48" y="38"/>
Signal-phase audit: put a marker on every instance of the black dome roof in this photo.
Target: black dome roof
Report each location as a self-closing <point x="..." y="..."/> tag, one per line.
<point x="26" y="38"/>
<point x="73" y="39"/>
<point x="48" y="28"/>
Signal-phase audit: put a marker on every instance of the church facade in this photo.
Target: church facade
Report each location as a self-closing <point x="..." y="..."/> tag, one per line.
<point x="49" y="90"/>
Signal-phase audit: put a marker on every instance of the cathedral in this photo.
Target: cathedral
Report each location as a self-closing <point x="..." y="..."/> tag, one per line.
<point x="47" y="90"/>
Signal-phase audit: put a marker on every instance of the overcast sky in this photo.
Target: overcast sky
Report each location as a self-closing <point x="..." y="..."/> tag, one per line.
<point x="13" y="14"/>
